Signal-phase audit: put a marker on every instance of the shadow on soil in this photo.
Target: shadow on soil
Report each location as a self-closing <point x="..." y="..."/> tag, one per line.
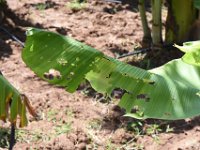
<point x="182" y="125"/>
<point x="116" y="120"/>
<point x="4" y="137"/>
<point x="119" y="5"/>
<point x="13" y="23"/>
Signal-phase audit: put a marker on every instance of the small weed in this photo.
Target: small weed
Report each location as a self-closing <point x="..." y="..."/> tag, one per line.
<point x="51" y="115"/>
<point x="169" y="129"/>
<point x="28" y="136"/>
<point x="93" y="146"/>
<point x="142" y="128"/>
<point x="77" y="5"/>
<point x="136" y="127"/>
<point x="69" y="112"/>
<point x="31" y="136"/>
<point x="110" y="146"/>
<point x="153" y="129"/>
<point x="63" y="128"/>
<point x="41" y="6"/>
<point x="132" y="145"/>
<point x="95" y="124"/>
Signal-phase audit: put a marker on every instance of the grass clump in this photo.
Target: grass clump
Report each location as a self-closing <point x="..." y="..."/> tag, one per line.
<point x="77" y="5"/>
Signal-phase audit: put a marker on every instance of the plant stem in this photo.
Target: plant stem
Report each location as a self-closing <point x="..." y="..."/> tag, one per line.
<point x="181" y="15"/>
<point x="157" y="22"/>
<point x="12" y="136"/>
<point x="146" y="29"/>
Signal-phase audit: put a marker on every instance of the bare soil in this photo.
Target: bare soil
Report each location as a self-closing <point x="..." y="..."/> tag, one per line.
<point x="84" y="119"/>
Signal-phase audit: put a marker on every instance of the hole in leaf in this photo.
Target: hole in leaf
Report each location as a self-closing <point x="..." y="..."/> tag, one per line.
<point x="52" y="74"/>
<point x="118" y="93"/>
<point x="48" y="76"/>
<point x="152" y="82"/>
<point x="135" y="108"/>
<point x="107" y="58"/>
<point x="128" y="92"/>
<point x="125" y="74"/>
<point x="109" y="75"/>
<point x="143" y="97"/>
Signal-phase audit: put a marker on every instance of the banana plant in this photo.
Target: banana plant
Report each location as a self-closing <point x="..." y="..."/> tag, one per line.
<point x="156" y="22"/>
<point x="181" y="15"/>
<point x="168" y="92"/>
<point x="13" y="104"/>
<point x="192" y="52"/>
<point x="146" y="30"/>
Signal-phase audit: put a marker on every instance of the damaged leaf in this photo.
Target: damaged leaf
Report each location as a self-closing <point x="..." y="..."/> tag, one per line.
<point x="13" y="105"/>
<point x="172" y="88"/>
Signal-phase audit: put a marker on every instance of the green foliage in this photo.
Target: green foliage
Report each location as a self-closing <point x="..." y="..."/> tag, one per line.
<point x="168" y="92"/>
<point x="41" y="6"/>
<point x="12" y="103"/>
<point x="63" y="128"/>
<point x="77" y="5"/>
<point x="197" y="4"/>
<point x="45" y="5"/>
<point x="2" y="2"/>
<point x="192" y="52"/>
<point x="181" y="15"/>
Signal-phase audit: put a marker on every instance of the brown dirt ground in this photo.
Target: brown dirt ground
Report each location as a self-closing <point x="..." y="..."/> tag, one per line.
<point x="81" y="120"/>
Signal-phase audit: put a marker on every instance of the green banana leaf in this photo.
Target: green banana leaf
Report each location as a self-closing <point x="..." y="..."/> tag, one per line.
<point x="12" y="103"/>
<point x="168" y="92"/>
<point x="192" y="52"/>
<point x="196" y="4"/>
